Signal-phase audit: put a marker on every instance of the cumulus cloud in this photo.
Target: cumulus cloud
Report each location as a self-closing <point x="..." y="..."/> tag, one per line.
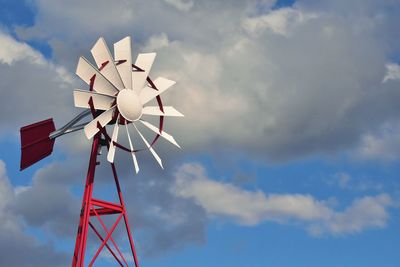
<point x="392" y="72"/>
<point x="181" y="5"/>
<point x="363" y="213"/>
<point x="280" y="21"/>
<point x="13" y="238"/>
<point x="382" y="144"/>
<point x="48" y="203"/>
<point x="346" y="182"/>
<point x="253" y="207"/>
<point x="31" y="85"/>
<point x="246" y="207"/>
<point x="313" y="91"/>
<point x="12" y="51"/>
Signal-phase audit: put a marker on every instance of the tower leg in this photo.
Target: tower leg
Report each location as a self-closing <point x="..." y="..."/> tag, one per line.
<point x="81" y="237"/>
<point x="121" y="200"/>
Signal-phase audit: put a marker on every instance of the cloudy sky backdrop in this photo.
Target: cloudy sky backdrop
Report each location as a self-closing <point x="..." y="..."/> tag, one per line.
<point x="291" y="135"/>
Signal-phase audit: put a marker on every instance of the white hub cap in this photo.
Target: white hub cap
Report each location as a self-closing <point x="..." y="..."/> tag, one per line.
<point x="129" y="105"/>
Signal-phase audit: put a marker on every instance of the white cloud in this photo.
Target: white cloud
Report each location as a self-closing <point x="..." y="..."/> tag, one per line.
<point x="392" y="72"/>
<point x="345" y="181"/>
<point x="253" y="207"/>
<point x="363" y="213"/>
<point x="17" y="247"/>
<point x="280" y="21"/>
<point x="157" y="42"/>
<point x="6" y="198"/>
<point x="11" y="51"/>
<point x="382" y="144"/>
<point x="181" y="5"/>
<point x="31" y="85"/>
<point x="246" y="207"/>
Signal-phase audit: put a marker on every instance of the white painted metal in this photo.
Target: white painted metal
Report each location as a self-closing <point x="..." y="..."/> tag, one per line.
<point x="114" y="138"/>
<point x="101" y="55"/>
<point x="104" y="118"/>
<point x="127" y="88"/>
<point x="85" y="71"/>
<point x="123" y="51"/>
<point x="100" y="101"/>
<point x="129" y="105"/>
<point x="143" y="61"/>
<point x="163" y="134"/>
<point x="150" y="148"/>
<point x="149" y="93"/>
<point x="135" y="163"/>
<point x="155" y="110"/>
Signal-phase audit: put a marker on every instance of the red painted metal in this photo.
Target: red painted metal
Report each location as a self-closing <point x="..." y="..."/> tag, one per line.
<point x="107" y="246"/>
<point x="105" y="241"/>
<point x="97" y="208"/>
<point x="92" y="82"/>
<point x="35" y="142"/>
<point x="103" y="65"/>
<point x="112" y="239"/>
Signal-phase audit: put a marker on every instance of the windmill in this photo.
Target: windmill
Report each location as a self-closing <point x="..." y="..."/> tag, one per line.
<point x="120" y="94"/>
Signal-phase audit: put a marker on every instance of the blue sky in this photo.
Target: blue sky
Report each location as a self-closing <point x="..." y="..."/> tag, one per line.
<point x="290" y="138"/>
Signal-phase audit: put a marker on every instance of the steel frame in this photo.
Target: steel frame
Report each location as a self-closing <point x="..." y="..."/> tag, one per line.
<point x="92" y="207"/>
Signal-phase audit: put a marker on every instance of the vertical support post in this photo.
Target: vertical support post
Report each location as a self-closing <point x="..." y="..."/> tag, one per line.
<point x="81" y="237"/>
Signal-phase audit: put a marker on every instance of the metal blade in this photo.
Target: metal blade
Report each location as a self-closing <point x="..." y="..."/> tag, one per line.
<point x="104" y="118"/>
<point x="105" y="62"/>
<point x="100" y="101"/>
<point x="149" y="93"/>
<point x="87" y="72"/>
<point x="143" y="61"/>
<point x="135" y="163"/>
<point x="168" y="111"/>
<point x="123" y="51"/>
<point x="163" y="134"/>
<point x="150" y="148"/>
<point x="114" y="138"/>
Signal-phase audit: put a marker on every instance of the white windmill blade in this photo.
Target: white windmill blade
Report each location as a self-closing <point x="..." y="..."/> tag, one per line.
<point x="87" y="71"/>
<point x="163" y="134"/>
<point x="114" y="138"/>
<point x="105" y="61"/>
<point x="148" y="93"/>
<point x="143" y="61"/>
<point x="91" y="129"/>
<point x="150" y="148"/>
<point x="155" y="110"/>
<point x="135" y="163"/>
<point x="123" y="51"/>
<point x="100" y="101"/>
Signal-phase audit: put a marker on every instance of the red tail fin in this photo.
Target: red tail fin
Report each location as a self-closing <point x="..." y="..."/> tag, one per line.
<point x="35" y="142"/>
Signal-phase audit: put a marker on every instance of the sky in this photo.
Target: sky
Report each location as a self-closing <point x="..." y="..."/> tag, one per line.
<point x="290" y="141"/>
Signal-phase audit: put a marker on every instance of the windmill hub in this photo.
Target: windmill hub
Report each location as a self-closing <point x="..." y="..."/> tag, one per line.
<point x="129" y="104"/>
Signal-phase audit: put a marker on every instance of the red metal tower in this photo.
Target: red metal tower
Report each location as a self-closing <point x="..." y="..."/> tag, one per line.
<point x="96" y="208"/>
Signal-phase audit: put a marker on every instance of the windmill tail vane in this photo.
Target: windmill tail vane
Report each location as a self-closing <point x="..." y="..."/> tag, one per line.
<point x="37" y="140"/>
<point x="120" y="95"/>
